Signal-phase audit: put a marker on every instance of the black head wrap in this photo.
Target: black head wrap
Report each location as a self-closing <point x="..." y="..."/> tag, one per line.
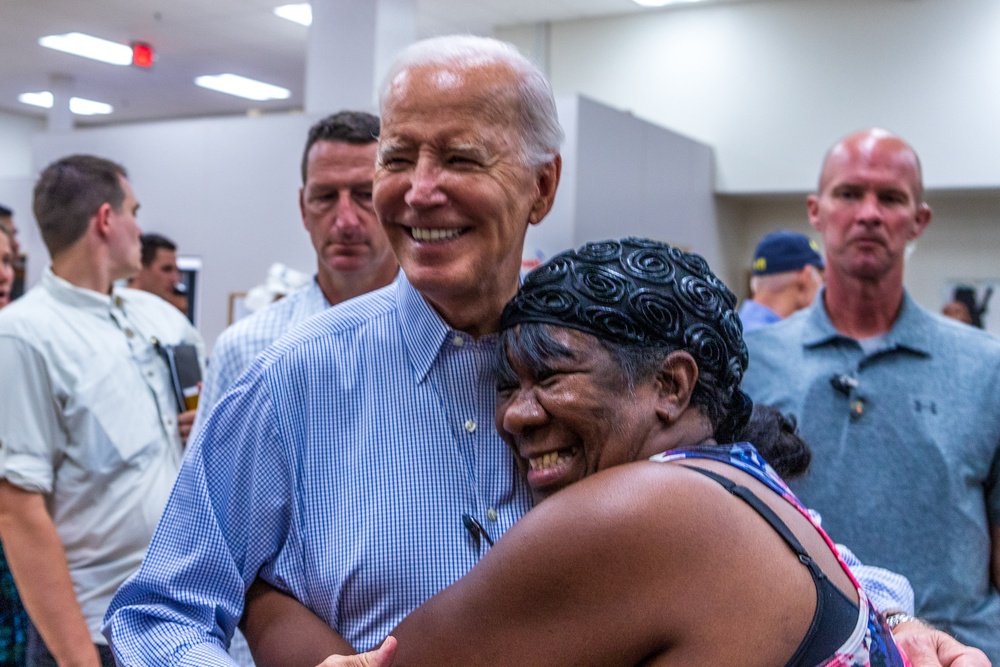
<point x="639" y="292"/>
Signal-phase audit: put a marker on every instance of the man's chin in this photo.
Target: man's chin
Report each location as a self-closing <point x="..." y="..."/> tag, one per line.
<point x="348" y="263"/>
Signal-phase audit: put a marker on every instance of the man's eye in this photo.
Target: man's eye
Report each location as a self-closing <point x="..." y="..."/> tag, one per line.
<point x="462" y="161"/>
<point x="394" y="161"/>
<point x="547" y="378"/>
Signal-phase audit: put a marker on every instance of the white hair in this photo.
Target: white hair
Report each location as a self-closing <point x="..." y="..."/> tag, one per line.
<point x="540" y="129"/>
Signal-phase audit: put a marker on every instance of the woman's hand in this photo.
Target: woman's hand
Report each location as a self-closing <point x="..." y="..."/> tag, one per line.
<point x="380" y="657"/>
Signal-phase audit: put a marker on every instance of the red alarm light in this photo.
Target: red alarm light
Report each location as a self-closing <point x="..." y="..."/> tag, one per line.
<point x="142" y="55"/>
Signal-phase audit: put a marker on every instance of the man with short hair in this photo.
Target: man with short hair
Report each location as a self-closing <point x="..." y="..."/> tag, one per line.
<point x="898" y="404"/>
<point x="353" y="255"/>
<point x="159" y="274"/>
<point x="355" y="465"/>
<point x="787" y="273"/>
<point x="89" y="432"/>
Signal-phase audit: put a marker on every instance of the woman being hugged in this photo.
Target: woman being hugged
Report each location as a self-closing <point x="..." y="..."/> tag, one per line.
<point x="651" y="543"/>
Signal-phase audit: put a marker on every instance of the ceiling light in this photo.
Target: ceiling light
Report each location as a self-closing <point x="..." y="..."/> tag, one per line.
<point x="84" y="107"/>
<point x="43" y="99"/>
<point x="233" y="84"/>
<point x="89" y="46"/>
<point x="78" y="105"/>
<point x="300" y="13"/>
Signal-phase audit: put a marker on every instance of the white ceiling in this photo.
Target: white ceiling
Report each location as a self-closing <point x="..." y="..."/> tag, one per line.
<point x="195" y="37"/>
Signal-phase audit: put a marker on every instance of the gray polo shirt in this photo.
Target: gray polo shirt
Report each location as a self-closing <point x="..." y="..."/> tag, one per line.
<point x="906" y="450"/>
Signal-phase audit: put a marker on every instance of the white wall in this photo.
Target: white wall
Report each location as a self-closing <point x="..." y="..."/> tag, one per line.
<point x="16" y="133"/>
<point x="771" y="84"/>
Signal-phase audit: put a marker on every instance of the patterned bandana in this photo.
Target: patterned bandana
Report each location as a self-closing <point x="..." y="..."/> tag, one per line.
<point x="638" y="292"/>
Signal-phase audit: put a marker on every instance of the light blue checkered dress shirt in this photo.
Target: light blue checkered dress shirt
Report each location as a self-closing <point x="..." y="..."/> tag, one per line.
<point x="234" y="351"/>
<point x="338" y="467"/>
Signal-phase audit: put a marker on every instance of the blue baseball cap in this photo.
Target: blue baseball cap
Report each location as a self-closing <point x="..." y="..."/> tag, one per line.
<point x="783" y="251"/>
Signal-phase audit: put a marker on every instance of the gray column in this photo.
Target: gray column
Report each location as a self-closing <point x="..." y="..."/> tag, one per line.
<point x="397" y="29"/>
<point x="60" y="118"/>
<point x="340" y="56"/>
<point x="351" y="43"/>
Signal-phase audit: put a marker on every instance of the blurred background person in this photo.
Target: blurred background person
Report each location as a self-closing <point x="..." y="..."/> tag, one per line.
<point x="965" y="307"/>
<point x="957" y="310"/>
<point x="787" y="272"/>
<point x="159" y="274"/>
<point x="13" y="619"/>
<point x="18" y="260"/>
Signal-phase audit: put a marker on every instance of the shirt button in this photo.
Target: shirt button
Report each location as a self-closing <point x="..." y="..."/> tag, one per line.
<point x="458" y="341"/>
<point x="470" y="426"/>
<point x="129" y="332"/>
<point x="150" y="373"/>
<point x="491" y="514"/>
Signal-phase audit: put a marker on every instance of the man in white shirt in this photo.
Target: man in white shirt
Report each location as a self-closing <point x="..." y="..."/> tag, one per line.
<point x="90" y="437"/>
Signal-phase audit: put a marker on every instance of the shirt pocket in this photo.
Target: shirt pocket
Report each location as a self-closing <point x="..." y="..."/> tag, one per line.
<point x="112" y="416"/>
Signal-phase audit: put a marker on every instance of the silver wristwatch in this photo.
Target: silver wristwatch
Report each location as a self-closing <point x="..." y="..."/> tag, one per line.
<point x="894" y="618"/>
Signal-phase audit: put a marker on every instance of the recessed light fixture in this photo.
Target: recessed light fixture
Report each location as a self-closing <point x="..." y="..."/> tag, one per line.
<point x="301" y="13"/>
<point x="240" y="86"/>
<point x="78" y="105"/>
<point x="89" y="46"/>
<point x="660" y="3"/>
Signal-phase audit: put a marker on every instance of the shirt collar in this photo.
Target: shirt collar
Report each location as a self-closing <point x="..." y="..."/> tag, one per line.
<point x="423" y="330"/>
<point x="912" y="330"/>
<point x="78" y="297"/>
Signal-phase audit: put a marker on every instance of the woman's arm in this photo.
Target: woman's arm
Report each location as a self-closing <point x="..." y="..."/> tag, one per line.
<point x="572" y="563"/>
<point x="281" y="631"/>
<point x="612" y="570"/>
<point x="573" y="582"/>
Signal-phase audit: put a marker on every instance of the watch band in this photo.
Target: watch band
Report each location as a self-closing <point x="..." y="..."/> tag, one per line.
<point x="894" y="618"/>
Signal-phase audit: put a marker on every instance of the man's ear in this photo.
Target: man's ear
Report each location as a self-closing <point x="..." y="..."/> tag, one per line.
<point x="302" y="207"/>
<point x="675" y="380"/>
<point x="812" y="208"/>
<point x="921" y="220"/>
<point x="547" y="182"/>
<point x="102" y="220"/>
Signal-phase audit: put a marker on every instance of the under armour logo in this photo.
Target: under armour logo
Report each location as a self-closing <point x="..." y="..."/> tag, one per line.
<point x="929" y="406"/>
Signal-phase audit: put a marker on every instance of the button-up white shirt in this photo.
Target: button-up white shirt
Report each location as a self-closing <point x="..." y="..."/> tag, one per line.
<point x="89" y="420"/>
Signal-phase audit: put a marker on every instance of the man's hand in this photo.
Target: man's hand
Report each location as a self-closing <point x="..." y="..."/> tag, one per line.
<point x="185" y="421"/>
<point x="923" y="645"/>
<point x="380" y="657"/>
